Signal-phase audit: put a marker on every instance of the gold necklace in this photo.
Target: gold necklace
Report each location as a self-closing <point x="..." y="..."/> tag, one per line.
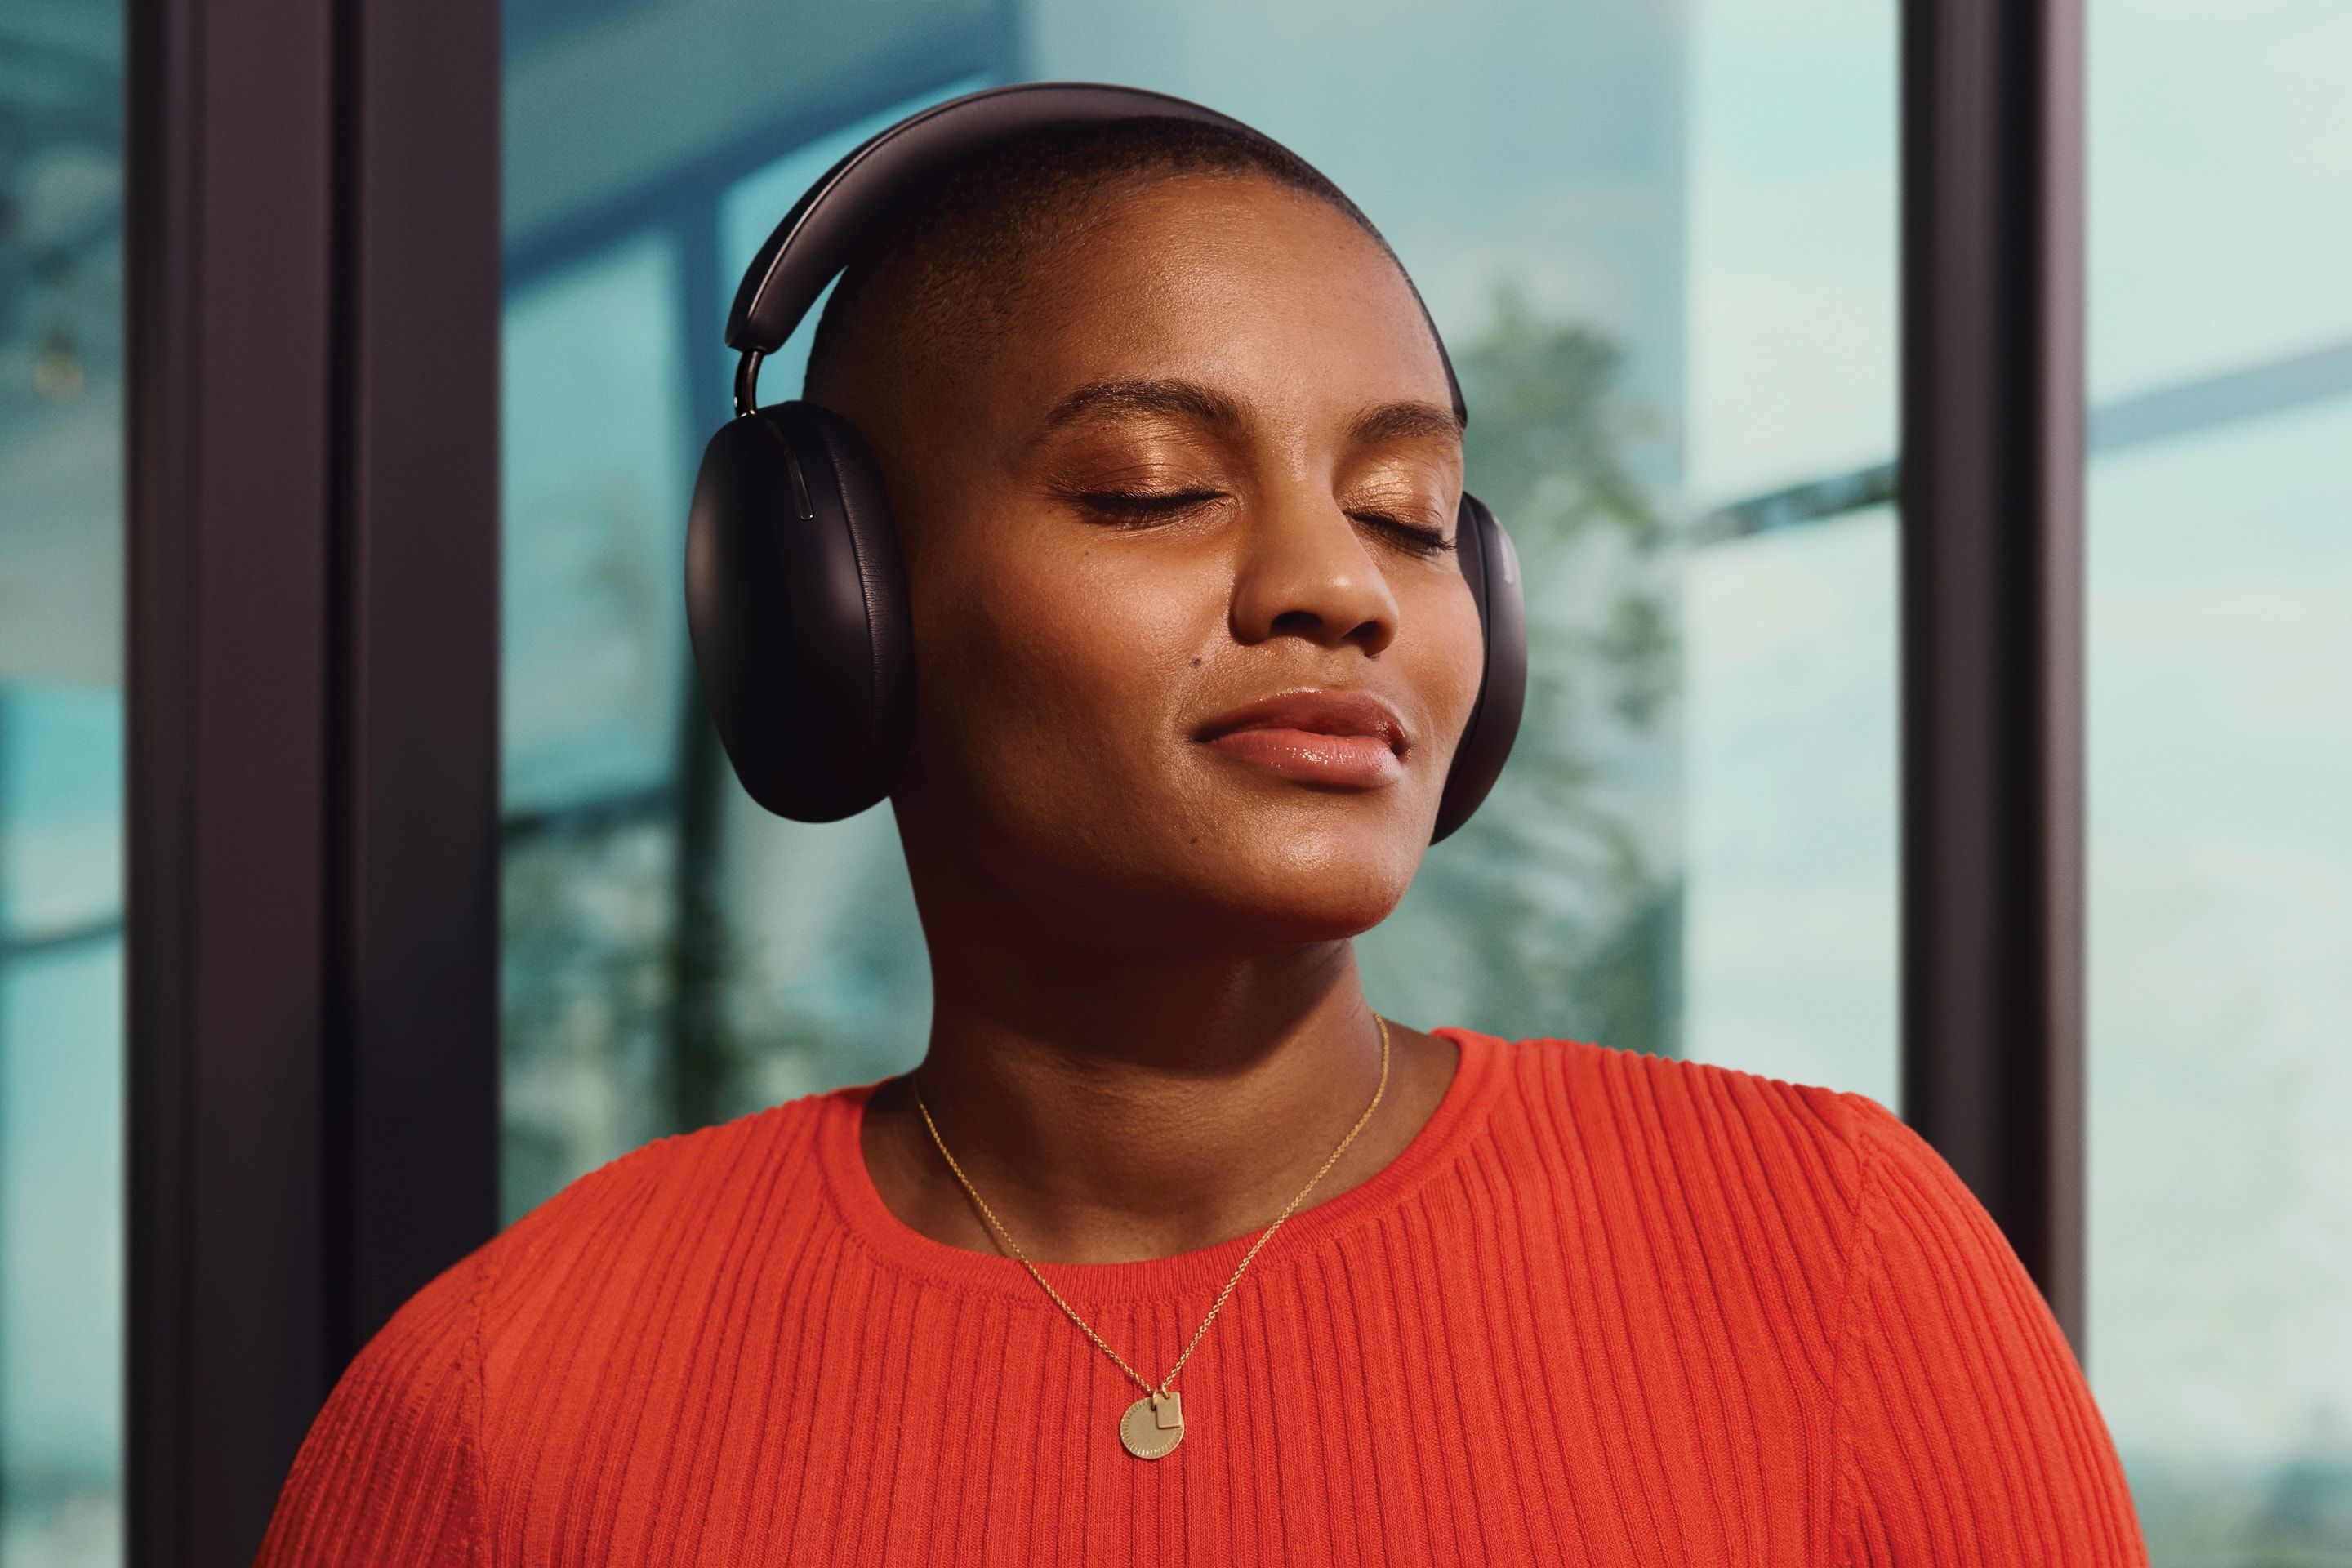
<point x="1154" y="1424"/>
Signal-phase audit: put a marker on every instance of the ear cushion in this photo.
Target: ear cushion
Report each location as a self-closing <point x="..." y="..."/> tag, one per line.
<point x="797" y="601"/>
<point x="1492" y="566"/>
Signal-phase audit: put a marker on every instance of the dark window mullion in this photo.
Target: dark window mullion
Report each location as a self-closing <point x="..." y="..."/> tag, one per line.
<point x="229" y="273"/>
<point x="1990" y="492"/>
<point x="413" y="796"/>
<point x="312" y="277"/>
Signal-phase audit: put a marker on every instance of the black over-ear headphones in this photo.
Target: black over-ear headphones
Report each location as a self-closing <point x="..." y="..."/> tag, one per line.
<point x="796" y="594"/>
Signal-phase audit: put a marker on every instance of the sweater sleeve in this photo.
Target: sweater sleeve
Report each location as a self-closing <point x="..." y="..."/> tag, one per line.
<point x="390" y="1473"/>
<point x="1970" y="1434"/>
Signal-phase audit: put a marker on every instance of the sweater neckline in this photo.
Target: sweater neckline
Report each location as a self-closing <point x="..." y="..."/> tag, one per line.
<point x="1460" y="1112"/>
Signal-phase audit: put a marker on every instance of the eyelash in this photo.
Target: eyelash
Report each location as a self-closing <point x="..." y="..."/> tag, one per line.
<point x="1142" y="504"/>
<point x="1426" y="542"/>
<point x="1135" y="506"/>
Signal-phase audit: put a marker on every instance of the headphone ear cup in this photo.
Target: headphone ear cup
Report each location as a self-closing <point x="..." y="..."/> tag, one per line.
<point x="1492" y="567"/>
<point x="797" y="602"/>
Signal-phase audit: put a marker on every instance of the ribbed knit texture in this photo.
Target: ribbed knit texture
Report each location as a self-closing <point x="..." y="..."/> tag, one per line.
<point x="1605" y="1309"/>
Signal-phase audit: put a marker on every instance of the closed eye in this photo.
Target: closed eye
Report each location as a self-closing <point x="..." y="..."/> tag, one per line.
<point x="1143" y="505"/>
<point x="1422" y="541"/>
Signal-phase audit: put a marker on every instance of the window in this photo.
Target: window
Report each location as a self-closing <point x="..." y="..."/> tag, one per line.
<point x="61" y="1023"/>
<point x="1790" y="613"/>
<point x="2220" y="744"/>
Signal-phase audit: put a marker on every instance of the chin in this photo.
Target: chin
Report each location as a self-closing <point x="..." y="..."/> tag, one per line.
<point x="1282" y="882"/>
<point x="1197" y="869"/>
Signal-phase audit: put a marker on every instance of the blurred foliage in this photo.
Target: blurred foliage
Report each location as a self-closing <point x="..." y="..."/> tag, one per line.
<point x="586" y="995"/>
<point x="2289" y="1509"/>
<point x="2306" y="1516"/>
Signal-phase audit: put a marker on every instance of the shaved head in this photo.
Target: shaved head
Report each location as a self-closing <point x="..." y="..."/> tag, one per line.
<point x="953" y="267"/>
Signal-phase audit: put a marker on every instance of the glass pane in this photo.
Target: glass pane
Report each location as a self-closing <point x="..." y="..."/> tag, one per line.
<point x="1793" y="803"/>
<point x="595" y="670"/>
<point x="1667" y="280"/>
<point x="1792" y="289"/>
<point x="2220" y="760"/>
<point x="2218" y="237"/>
<point x="2221" y="1002"/>
<point x="594" y="621"/>
<point x="61" y="1252"/>
<point x="61" y="1044"/>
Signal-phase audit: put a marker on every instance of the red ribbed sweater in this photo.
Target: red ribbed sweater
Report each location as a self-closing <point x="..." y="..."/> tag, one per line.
<point x="1603" y="1308"/>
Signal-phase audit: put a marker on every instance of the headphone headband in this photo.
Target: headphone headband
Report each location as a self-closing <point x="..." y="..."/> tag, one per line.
<point x="821" y="235"/>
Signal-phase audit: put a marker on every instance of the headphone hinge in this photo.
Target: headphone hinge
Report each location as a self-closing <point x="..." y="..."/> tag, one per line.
<point x="747" y="384"/>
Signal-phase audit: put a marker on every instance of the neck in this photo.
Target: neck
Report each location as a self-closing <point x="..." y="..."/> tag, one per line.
<point x="1112" y="1106"/>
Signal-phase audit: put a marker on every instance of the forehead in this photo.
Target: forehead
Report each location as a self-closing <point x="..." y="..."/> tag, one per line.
<point x="1267" y="293"/>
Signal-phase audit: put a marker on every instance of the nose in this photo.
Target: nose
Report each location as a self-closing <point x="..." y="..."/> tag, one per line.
<point x="1306" y="571"/>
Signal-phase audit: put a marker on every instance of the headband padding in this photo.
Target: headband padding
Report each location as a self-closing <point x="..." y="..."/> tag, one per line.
<point x="818" y="237"/>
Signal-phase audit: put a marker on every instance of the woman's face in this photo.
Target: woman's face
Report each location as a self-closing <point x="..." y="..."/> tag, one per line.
<point x="1209" y="459"/>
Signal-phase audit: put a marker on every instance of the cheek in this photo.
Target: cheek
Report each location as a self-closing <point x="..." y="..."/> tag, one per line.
<point x="1051" y="663"/>
<point x="1446" y="662"/>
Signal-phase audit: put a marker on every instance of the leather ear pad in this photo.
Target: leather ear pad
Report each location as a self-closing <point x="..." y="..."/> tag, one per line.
<point x="796" y="600"/>
<point x="1492" y="565"/>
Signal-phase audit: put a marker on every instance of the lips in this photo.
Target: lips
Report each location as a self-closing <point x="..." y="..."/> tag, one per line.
<point x="1349" y="739"/>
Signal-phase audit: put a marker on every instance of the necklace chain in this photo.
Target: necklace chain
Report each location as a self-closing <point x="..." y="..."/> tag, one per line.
<point x="1160" y="1390"/>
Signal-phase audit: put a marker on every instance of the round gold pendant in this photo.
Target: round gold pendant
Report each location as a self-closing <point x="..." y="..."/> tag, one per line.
<point x="1153" y="1426"/>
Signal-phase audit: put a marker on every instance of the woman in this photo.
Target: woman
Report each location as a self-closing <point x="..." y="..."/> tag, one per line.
<point x="1171" y="1250"/>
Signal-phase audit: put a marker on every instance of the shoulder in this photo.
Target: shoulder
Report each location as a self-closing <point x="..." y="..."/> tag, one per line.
<point x="397" y="1456"/>
<point x="673" y="1210"/>
<point x="1831" y="1185"/>
<point x="1627" y="1113"/>
<point x="1744" y="1211"/>
<point x="1798" y="1175"/>
<point x="391" y="1468"/>
<point x="650" y="1209"/>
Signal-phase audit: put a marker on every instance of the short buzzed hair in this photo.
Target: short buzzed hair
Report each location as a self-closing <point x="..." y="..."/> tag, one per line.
<point x="948" y="262"/>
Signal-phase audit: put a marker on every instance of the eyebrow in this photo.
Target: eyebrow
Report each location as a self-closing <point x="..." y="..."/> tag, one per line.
<point x="1403" y="421"/>
<point x="1190" y="400"/>
<point x="1175" y="399"/>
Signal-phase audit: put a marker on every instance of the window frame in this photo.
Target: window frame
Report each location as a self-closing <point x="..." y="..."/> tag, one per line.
<point x="1990" y="507"/>
<point x="311" y="578"/>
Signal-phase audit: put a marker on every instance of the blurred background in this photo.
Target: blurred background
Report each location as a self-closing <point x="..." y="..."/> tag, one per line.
<point x="1660" y="236"/>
